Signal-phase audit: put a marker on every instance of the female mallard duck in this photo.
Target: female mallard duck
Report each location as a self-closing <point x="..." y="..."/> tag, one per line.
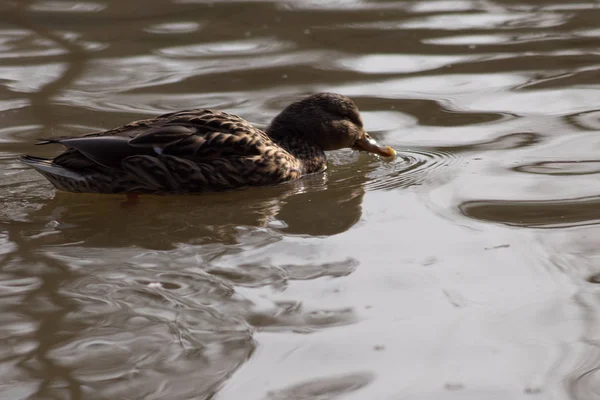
<point x="201" y="150"/>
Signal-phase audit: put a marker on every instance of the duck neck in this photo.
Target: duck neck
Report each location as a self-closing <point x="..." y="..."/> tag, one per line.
<point x="312" y="158"/>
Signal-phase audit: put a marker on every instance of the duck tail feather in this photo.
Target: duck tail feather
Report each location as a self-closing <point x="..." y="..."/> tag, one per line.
<point x="49" y="169"/>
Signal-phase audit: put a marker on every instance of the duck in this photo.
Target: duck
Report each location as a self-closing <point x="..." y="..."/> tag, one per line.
<point x="203" y="150"/>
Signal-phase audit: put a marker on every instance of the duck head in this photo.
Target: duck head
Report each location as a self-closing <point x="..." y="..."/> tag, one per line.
<point x="326" y="120"/>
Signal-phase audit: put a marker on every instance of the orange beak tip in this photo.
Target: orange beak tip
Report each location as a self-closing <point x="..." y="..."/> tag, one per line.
<point x="392" y="154"/>
<point x="367" y="143"/>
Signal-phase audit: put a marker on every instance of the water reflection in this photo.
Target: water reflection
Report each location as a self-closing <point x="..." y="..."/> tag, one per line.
<point x="306" y="207"/>
<point x="150" y="332"/>
<point x="286" y="292"/>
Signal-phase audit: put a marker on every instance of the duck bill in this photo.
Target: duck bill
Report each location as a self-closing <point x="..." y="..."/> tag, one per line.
<point x="367" y="143"/>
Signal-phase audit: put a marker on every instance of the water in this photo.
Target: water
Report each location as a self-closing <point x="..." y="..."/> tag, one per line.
<point x="467" y="269"/>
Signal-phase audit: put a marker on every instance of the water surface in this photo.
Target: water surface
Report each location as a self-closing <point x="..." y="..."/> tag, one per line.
<point x="467" y="269"/>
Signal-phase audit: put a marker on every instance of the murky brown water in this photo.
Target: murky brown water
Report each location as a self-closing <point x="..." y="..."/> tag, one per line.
<point x="469" y="269"/>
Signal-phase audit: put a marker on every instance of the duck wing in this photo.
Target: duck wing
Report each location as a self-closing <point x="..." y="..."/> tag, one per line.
<point x="196" y="135"/>
<point x="187" y="151"/>
<point x="203" y="135"/>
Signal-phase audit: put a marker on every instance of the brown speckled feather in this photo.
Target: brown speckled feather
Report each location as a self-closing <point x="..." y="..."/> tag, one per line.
<point x="184" y="152"/>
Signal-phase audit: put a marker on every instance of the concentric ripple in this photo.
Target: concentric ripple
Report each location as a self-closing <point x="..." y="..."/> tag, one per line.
<point x="412" y="167"/>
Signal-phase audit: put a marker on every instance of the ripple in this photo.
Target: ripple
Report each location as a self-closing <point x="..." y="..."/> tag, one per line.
<point x="14" y="286"/>
<point x="330" y="387"/>
<point x="396" y="63"/>
<point x="589" y="120"/>
<point x="104" y="78"/>
<point x="595" y="278"/>
<point x="17" y="133"/>
<point x="17" y="55"/>
<point x="392" y="5"/>
<point x="439" y="87"/>
<point x="18" y="44"/>
<point x="387" y="120"/>
<point x="186" y="284"/>
<point x="563" y="213"/>
<point x="174" y="28"/>
<point x="583" y="167"/>
<point x="141" y="104"/>
<point x="251" y="275"/>
<point x="338" y="5"/>
<point x="31" y="79"/>
<point x="472" y="40"/>
<point x="412" y="167"/>
<point x="128" y="338"/>
<point x="137" y="359"/>
<point x="314" y="271"/>
<point x="586" y="386"/>
<point x="265" y="274"/>
<point x="108" y="76"/>
<point x="235" y="48"/>
<point x="67" y="6"/>
<point x="290" y="317"/>
<point x="563" y="101"/>
<point x="486" y="20"/>
<point x="443" y="6"/>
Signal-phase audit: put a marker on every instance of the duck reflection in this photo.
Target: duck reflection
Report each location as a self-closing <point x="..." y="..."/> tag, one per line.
<point x="312" y="206"/>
